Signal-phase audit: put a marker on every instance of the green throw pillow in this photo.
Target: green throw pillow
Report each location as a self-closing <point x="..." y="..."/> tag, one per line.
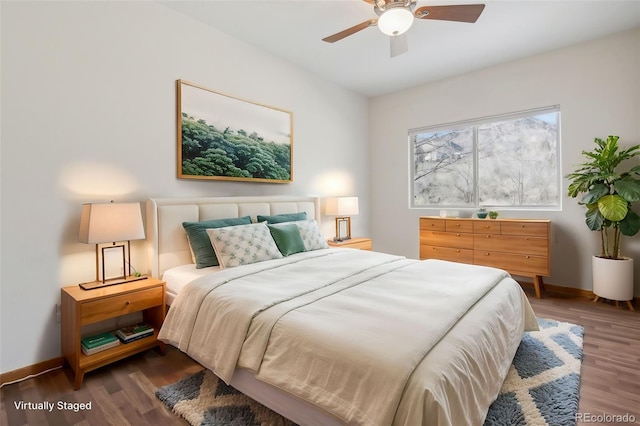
<point x="279" y="218"/>
<point x="287" y="238"/>
<point x="200" y="242"/>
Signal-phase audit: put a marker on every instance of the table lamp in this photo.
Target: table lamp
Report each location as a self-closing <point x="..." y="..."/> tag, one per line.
<point x="111" y="223"/>
<point x="342" y="208"/>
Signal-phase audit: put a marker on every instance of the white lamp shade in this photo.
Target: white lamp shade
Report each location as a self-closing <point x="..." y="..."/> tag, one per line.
<point x="342" y="206"/>
<point x="395" y="21"/>
<point x="105" y="223"/>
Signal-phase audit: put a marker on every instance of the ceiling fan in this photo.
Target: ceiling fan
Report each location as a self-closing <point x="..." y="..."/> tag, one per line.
<point x="396" y="17"/>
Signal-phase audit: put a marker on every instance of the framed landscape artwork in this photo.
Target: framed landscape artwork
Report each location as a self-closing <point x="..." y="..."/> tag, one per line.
<point x="226" y="138"/>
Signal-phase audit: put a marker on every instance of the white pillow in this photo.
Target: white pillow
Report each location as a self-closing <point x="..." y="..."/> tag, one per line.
<point x="311" y="235"/>
<point x="243" y="244"/>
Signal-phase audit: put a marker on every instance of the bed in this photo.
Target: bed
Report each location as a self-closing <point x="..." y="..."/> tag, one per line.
<point x="336" y="336"/>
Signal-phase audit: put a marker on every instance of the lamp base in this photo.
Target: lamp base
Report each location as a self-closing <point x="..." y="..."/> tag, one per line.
<point x="341" y="239"/>
<point x="346" y="221"/>
<point x="97" y="284"/>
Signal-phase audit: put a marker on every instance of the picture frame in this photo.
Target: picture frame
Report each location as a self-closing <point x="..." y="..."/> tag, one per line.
<point x="114" y="262"/>
<point x="221" y="137"/>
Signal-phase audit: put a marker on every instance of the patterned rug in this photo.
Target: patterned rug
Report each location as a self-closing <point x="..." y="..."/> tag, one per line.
<point x="542" y="387"/>
<point x="543" y="383"/>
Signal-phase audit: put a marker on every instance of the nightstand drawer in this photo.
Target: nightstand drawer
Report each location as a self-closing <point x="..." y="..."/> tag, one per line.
<point x="353" y="243"/>
<point x="362" y="245"/>
<point x="99" y="310"/>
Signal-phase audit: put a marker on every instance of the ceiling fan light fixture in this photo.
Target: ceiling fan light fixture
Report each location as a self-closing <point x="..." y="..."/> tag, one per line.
<point x="396" y="21"/>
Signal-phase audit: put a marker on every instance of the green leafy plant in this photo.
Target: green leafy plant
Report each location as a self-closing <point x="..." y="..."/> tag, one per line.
<point x="609" y="193"/>
<point x="493" y="215"/>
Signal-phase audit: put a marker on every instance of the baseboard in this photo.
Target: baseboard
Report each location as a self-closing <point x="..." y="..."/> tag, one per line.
<point x="30" y="370"/>
<point x="567" y="291"/>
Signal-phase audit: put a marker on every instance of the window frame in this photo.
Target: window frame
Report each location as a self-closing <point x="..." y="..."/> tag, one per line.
<point x="473" y="125"/>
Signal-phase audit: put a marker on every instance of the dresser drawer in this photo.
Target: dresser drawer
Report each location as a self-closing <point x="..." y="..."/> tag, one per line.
<point x="109" y="307"/>
<point x="452" y="225"/>
<point x="486" y="227"/>
<point x="447" y="239"/>
<point x="534" y="229"/>
<point x="514" y="263"/>
<point x="446" y="253"/>
<point x="427" y="223"/>
<point x="536" y="246"/>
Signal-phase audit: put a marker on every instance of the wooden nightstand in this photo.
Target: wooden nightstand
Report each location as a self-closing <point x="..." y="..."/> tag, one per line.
<point x="81" y="307"/>
<point x="356" y="243"/>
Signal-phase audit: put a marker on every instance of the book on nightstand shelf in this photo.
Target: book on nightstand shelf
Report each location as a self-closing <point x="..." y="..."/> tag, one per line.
<point x="96" y="349"/>
<point x="98" y="342"/>
<point x="91" y="342"/>
<point x="134" y="332"/>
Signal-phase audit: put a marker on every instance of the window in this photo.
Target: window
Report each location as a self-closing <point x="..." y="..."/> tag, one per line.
<point x="504" y="161"/>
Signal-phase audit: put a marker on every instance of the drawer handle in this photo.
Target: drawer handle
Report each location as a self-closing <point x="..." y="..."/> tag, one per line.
<point x="527" y="257"/>
<point x="487" y="226"/>
<point x="127" y="303"/>
<point x="457" y="251"/>
<point x="457" y="235"/>
<point x="486" y="254"/>
<point x="488" y="236"/>
<point x="457" y="224"/>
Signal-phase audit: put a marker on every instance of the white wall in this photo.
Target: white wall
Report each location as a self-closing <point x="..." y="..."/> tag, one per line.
<point x="597" y="85"/>
<point x="88" y="115"/>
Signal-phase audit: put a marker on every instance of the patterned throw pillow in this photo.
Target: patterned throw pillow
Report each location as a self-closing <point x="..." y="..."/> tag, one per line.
<point x="243" y="244"/>
<point x="311" y="235"/>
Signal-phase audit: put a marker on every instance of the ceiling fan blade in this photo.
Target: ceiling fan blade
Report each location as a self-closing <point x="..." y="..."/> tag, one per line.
<point x="399" y="44"/>
<point x="461" y="13"/>
<point x="349" y="31"/>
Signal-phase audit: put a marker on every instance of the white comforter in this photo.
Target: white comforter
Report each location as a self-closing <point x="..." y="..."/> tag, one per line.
<point x="348" y="330"/>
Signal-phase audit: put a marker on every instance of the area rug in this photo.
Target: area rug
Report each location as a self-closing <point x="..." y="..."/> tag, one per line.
<point x="542" y="387"/>
<point x="543" y="383"/>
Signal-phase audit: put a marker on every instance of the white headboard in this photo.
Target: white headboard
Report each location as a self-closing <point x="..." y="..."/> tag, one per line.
<point x="167" y="241"/>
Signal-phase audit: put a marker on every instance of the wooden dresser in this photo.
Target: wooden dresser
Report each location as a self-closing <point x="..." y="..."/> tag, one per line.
<point x="519" y="246"/>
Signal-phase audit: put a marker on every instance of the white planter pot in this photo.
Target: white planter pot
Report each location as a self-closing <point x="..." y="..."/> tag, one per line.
<point x="613" y="279"/>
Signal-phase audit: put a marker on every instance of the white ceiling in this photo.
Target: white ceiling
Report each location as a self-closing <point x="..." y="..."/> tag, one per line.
<point x="506" y="30"/>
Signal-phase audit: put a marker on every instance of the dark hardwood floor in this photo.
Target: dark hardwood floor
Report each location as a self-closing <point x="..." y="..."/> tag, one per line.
<point x="610" y="376"/>
<point x="123" y="393"/>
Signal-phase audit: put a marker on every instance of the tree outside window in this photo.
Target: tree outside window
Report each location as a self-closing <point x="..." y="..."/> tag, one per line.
<point x="507" y="161"/>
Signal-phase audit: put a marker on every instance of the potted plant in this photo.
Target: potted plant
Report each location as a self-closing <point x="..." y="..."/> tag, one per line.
<point x="609" y="194"/>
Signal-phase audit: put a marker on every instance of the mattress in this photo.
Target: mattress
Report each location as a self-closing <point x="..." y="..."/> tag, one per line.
<point x="178" y="277"/>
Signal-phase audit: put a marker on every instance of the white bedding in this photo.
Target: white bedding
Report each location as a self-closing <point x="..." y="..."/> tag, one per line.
<point x="368" y="337"/>
<point x="178" y="277"/>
